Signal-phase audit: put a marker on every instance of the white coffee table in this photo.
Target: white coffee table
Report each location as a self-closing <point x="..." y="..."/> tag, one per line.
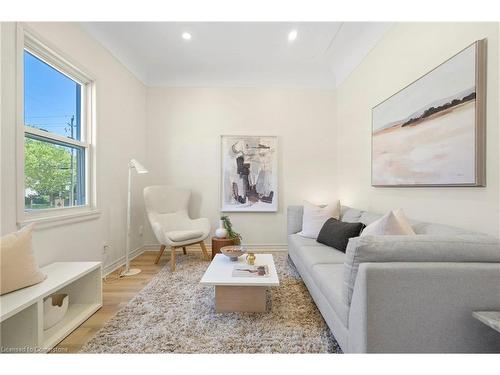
<point x="239" y="294"/>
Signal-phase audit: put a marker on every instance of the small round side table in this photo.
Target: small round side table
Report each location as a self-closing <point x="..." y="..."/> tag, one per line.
<point x="218" y="243"/>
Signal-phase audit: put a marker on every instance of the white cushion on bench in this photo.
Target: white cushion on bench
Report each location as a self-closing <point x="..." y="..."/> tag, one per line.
<point x="18" y="267"/>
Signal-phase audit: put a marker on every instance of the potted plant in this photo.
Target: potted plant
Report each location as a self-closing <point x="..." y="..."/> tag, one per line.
<point x="228" y="226"/>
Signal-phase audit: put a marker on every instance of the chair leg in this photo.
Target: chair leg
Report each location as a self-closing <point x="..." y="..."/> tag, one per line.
<point x="172" y="259"/>
<point x="184" y="250"/>
<point x="162" y="249"/>
<point x="204" y="249"/>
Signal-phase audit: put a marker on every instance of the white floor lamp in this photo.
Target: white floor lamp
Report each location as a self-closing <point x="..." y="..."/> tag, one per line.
<point x="133" y="164"/>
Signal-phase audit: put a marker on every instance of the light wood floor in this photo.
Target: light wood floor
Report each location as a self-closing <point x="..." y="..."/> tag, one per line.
<point x="116" y="293"/>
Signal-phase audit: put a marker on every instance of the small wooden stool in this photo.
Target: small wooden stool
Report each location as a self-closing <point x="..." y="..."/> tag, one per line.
<point x="218" y="243"/>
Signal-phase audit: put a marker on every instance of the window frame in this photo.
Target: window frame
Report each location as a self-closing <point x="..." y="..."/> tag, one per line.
<point x="32" y="43"/>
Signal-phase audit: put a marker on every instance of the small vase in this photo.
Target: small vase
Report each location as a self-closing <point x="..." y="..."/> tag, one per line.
<point x="221" y="232"/>
<point x="251" y="259"/>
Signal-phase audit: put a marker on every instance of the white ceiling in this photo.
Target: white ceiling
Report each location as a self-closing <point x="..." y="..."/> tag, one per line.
<point x="239" y="54"/>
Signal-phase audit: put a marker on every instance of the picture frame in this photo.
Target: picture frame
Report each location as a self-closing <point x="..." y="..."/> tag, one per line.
<point x="441" y="143"/>
<point x="248" y="173"/>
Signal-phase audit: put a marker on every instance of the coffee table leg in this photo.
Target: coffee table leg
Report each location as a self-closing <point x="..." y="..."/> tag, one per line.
<point x="240" y="298"/>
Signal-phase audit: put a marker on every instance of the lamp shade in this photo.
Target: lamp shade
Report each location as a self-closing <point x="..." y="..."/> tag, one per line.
<point x="139" y="168"/>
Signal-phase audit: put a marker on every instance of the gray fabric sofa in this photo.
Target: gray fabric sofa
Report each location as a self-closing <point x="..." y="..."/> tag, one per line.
<point x="406" y="294"/>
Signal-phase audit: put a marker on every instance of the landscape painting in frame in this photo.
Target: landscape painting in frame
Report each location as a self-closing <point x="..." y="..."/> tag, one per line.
<point x="432" y="132"/>
<point x="249" y="173"/>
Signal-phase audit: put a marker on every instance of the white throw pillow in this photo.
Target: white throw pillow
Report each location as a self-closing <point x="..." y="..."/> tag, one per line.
<point x="392" y="223"/>
<point x="18" y="267"/>
<point x="315" y="216"/>
<point x="403" y="221"/>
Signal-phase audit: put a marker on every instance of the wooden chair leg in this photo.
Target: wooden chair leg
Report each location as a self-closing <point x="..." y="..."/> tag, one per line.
<point x="172" y="259"/>
<point x="162" y="249"/>
<point x="184" y="250"/>
<point x="204" y="249"/>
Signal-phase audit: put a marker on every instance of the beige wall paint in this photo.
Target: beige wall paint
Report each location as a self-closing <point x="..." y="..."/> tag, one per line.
<point x="408" y="51"/>
<point x="184" y="129"/>
<point x="121" y="114"/>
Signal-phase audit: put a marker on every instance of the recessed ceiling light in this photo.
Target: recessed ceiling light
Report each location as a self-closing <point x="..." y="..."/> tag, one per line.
<point x="186" y="36"/>
<point x="292" y="35"/>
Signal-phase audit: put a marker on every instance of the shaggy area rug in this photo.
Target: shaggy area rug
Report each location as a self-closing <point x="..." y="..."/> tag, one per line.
<point x="175" y="314"/>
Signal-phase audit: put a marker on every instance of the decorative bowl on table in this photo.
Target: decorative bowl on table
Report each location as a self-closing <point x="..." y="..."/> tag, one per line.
<point x="233" y="252"/>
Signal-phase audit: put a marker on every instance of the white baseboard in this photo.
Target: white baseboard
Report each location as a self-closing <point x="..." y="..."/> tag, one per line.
<point x="113" y="266"/>
<point x="151" y="247"/>
<point x="254" y="247"/>
<point x="266" y="247"/>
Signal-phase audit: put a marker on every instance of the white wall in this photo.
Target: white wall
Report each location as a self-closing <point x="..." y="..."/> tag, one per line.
<point x="324" y="138"/>
<point x="121" y="114"/>
<point x="184" y="129"/>
<point x="408" y="51"/>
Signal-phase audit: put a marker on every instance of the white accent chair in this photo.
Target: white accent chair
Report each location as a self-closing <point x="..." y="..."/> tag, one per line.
<point x="167" y="209"/>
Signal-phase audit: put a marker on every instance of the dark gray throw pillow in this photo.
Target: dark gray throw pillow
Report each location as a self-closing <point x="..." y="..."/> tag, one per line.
<point x="336" y="233"/>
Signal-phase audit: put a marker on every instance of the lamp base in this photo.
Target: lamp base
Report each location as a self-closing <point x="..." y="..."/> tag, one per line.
<point x="130" y="272"/>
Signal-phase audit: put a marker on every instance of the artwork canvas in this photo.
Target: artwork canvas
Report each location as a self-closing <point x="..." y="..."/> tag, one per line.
<point x="249" y="178"/>
<point x="431" y="133"/>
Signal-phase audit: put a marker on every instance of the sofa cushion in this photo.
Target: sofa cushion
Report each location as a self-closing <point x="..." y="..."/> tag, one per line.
<point x="329" y="279"/>
<point x="297" y="241"/>
<point x="310" y="252"/>
<point x="336" y="233"/>
<point x="416" y="248"/>
<point x="350" y="215"/>
<point x="294" y="219"/>
<point x="320" y="254"/>
<point x="439" y="229"/>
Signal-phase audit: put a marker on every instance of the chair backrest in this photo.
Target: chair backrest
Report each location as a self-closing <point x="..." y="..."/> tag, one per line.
<point x="163" y="199"/>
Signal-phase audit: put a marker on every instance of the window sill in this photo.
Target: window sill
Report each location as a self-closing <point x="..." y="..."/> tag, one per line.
<point x="60" y="218"/>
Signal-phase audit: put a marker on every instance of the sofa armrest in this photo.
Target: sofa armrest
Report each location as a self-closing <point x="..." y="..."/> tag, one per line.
<point x="423" y="307"/>
<point x="416" y="248"/>
<point x="294" y="219"/>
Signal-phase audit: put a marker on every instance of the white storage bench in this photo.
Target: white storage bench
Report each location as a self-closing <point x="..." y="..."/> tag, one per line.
<point x="21" y="324"/>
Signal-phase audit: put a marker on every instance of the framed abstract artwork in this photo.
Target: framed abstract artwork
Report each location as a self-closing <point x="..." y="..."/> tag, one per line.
<point x="432" y="132"/>
<point x="249" y="173"/>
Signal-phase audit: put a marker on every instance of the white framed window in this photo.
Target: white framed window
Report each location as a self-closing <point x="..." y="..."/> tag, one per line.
<point x="56" y="135"/>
